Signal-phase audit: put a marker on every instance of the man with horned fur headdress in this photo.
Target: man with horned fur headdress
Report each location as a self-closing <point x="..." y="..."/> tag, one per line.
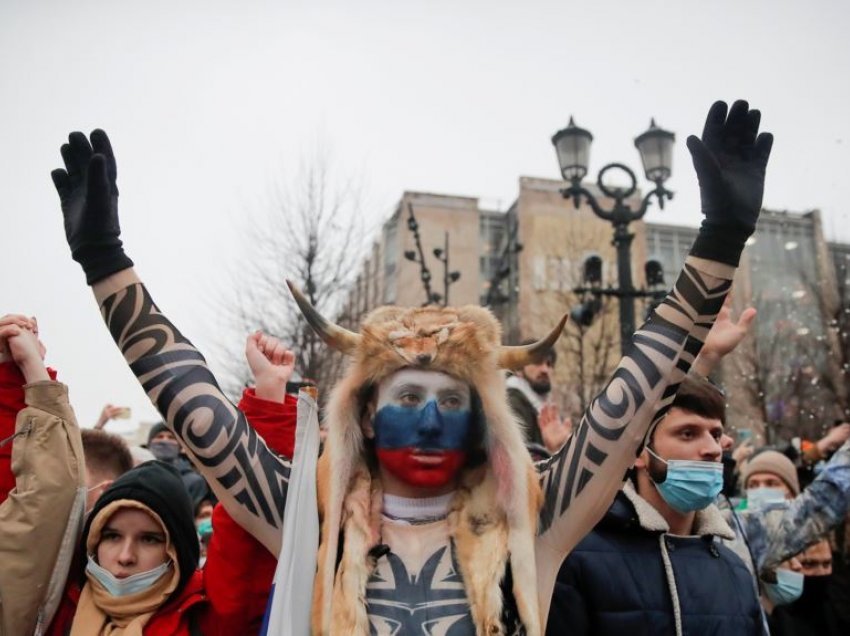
<point x="433" y="517"/>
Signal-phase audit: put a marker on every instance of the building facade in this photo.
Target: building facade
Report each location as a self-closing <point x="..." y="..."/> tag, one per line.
<point x="524" y="263"/>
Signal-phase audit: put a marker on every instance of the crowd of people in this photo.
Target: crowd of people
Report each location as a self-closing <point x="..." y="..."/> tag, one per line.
<point x="449" y="495"/>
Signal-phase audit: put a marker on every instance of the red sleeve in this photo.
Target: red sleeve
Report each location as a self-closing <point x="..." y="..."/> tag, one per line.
<point x="273" y="421"/>
<point x="239" y="571"/>
<point x="11" y="401"/>
<point x="238" y="575"/>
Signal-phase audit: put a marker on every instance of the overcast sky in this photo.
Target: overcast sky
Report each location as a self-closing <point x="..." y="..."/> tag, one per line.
<point x="209" y="103"/>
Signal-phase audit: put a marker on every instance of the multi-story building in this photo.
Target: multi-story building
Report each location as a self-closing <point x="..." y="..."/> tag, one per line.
<point x="524" y="263"/>
<point x="787" y="378"/>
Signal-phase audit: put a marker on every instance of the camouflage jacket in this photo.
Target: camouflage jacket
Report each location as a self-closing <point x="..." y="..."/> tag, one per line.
<point x="768" y="535"/>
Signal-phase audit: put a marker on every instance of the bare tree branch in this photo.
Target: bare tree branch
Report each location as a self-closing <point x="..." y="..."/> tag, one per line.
<point x="314" y="234"/>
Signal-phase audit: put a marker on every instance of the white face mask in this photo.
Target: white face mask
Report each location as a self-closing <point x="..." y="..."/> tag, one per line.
<point x="760" y="497"/>
<point x="127" y="586"/>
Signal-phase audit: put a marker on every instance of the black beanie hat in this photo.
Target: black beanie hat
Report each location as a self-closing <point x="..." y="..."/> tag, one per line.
<point x="156" y="429"/>
<point x="159" y="487"/>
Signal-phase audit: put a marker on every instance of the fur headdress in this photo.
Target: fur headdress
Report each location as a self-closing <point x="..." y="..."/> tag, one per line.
<point x="463" y="342"/>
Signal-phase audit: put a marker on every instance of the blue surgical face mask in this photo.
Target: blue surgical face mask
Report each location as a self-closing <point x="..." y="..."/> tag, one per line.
<point x="690" y="485"/>
<point x="127" y="586"/>
<point x="787" y="589"/>
<point x="205" y="528"/>
<point x="761" y="497"/>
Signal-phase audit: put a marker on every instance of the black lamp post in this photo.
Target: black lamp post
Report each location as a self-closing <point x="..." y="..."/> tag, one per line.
<point x="572" y="145"/>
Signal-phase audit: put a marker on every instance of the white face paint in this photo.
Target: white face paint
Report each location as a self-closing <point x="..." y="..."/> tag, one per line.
<point x="414" y="387"/>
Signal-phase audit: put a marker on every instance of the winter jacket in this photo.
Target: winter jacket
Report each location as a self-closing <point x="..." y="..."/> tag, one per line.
<point x="187" y="611"/>
<point x="186" y="615"/>
<point x="631" y="576"/>
<point x="229" y="597"/>
<point x="40" y="520"/>
<point x="239" y="569"/>
<point x="813" y="614"/>
<point x="767" y="536"/>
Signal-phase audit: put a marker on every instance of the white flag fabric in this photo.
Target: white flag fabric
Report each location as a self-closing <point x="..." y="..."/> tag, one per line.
<point x="288" y="613"/>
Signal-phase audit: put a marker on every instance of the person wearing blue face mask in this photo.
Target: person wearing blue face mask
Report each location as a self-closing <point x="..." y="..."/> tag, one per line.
<point x="655" y="564"/>
<point x="769" y="477"/>
<point x="779" y="520"/>
<point x="813" y="609"/>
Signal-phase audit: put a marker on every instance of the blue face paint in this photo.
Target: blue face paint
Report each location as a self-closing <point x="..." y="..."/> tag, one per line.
<point x="423" y="428"/>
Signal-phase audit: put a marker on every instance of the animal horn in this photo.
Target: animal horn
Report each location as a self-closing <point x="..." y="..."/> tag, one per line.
<point x="334" y="336"/>
<point x="516" y="357"/>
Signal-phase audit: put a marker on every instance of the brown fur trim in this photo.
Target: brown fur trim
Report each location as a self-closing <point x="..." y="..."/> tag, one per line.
<point x="480" y="533"/>
<point x="707" y="522"/>
<point x="495" y="514"/>
<point x="523" y="562"/>
<point x="349" y="607"/>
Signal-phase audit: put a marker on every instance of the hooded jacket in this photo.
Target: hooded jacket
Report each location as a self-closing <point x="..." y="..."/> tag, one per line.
<point x="631" y="576"/>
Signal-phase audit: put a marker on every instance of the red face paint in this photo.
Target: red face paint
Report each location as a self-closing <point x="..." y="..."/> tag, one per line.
<point x="422" y="427"/>
<point x="422" y="469"/>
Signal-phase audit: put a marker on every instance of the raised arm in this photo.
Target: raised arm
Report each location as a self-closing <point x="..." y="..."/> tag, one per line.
<point x="580" y="481"/>
<point x="248" y="479"/>
<point x="41" y="519"/>
<point x="239" y="571"/>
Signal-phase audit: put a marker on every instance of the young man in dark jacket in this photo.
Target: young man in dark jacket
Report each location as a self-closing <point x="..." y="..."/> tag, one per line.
<point x="655" y="563"/>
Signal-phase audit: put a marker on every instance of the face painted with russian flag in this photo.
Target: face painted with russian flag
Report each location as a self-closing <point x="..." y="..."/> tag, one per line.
<point x="421" y="426"/>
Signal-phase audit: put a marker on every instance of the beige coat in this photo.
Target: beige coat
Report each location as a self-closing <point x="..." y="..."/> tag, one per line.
<point x="40" y="521"/>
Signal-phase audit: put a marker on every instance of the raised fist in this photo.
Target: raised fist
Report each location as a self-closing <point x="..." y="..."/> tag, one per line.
<point x="271" y="363"/>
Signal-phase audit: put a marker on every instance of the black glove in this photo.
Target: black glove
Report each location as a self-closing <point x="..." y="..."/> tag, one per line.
<point x="730" y="161"/>
<point x="89" y="199"/>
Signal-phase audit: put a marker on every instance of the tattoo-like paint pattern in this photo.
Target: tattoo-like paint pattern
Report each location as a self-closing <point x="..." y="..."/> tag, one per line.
<point x="429" y="602"/>
<point x="580" y="481"/>
<point x="247" y="477"/>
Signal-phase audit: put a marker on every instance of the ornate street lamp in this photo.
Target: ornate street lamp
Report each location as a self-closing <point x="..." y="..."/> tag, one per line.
<point x="656" y="152"/>
<point x="572" y="146"/>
